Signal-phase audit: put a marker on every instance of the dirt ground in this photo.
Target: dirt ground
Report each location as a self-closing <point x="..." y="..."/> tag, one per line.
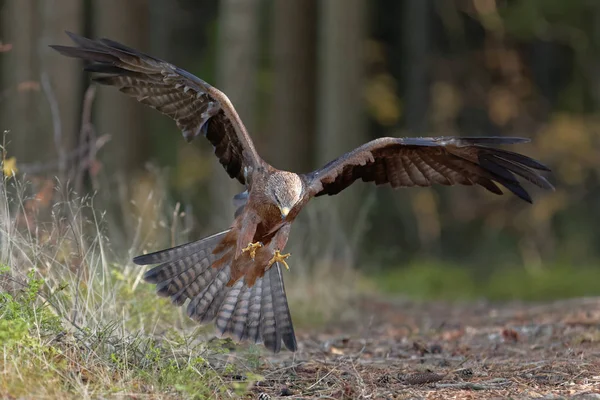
<point x="400" y="349"/>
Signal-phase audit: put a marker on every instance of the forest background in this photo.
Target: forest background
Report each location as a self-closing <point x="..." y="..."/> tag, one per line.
<point x="311" y="80"/>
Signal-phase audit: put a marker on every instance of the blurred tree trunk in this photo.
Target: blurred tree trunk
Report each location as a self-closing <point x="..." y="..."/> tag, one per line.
<point x="122" y="118"/>
<point x="417" y="46"/>
<point x="118" y="115"/>
<point x="416" y="39"/>
<point x="21" y="101"/>
<point x="340" y="114"/>
<point x="41" y="99"/>
<point x="237" y="63"/>
<point x="160" y="17"/>
<point x="294" y="84"/>
<point x="595" y="61"/>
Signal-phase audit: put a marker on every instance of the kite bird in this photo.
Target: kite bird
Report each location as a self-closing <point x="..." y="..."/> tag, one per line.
<point x="235" y="276"/>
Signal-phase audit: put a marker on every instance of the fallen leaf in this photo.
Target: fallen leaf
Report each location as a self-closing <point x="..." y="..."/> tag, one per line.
<point x="510" y="335"/>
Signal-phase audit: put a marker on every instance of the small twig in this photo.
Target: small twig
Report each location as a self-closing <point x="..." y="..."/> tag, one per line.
<point x="174" y="223"/>
<point x="459" y="366"/>
<point x="56" y="123"/>
<point x="37" y="168"/>
<point x="360" y="380"/>
<point x="86" y="134"/>
<point x="282" y="369"/>
<point x="487" y="385"/>
<point x="323" y="377"/>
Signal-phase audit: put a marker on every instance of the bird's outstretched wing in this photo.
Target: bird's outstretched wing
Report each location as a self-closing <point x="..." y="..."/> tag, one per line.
<point x="196" y="106"/>
<point x="403" y="162"/>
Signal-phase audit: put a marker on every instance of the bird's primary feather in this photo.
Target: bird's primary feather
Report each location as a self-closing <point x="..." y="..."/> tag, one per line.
<point x="197" y="107"/>
<point x="405" y="162"/>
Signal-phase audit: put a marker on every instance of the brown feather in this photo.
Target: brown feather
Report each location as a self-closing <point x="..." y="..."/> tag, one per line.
<point x="244" y="298"/>
<point x="405" y="162"/>
<point x="197" y="107"/>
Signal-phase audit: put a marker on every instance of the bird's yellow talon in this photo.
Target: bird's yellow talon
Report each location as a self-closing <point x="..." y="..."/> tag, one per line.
<point x="278" y="257"/>
<point x="251" y="248"/>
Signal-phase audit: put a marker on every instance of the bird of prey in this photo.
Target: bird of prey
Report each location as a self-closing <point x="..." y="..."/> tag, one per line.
<point x="235" y="276"/>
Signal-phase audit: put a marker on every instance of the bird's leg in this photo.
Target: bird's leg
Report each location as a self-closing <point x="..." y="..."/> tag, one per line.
<point x="278" y="257"/>
<point x="246" y="224"/>
<point x="278" y="242"/>
<point x="251" y="248"/>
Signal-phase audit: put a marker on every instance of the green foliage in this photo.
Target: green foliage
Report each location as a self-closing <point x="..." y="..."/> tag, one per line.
<point x="550" y="283"/>
<point x="22" y="312"/>
<point x="547" y="18"/>
<point x="426" y="281"/>
<point x="37" y="350"/>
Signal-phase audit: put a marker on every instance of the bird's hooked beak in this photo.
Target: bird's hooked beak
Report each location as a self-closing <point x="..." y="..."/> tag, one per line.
<point x="284" y="212"/>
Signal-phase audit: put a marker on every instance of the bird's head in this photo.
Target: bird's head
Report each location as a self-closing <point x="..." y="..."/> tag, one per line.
<point x="285" y="189"/>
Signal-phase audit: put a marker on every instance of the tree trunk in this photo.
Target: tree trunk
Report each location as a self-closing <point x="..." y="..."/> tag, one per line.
<point x="416" y="36"/>
<point x="340" y="114"/>
<point x="116" y="114"/>
<point x="237" y="62"/>
<point x="592" y="74"/>
<point x="41" y="99"/>
<point x="293" y="106"/>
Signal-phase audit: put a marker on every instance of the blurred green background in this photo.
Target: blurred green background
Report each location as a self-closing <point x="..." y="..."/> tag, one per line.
<point x="311" y="80"/>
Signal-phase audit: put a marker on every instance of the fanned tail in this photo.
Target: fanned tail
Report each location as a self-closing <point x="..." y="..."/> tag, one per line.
<point x="257" y="313"/>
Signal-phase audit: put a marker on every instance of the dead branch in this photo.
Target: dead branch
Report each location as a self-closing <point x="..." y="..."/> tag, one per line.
<point x="38" y="168"/>
<point x="56" y="124"/>
<point x="87" y="134"/>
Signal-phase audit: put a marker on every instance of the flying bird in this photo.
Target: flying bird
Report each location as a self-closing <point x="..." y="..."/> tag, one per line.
<point x="235" y="276"/>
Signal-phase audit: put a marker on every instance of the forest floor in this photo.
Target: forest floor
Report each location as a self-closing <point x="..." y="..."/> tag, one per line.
<point x="380" y="349"/>
<point x="401" y="349"/>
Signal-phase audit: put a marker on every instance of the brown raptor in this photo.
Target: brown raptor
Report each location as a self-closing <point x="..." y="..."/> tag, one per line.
<point x="235" y="276"/>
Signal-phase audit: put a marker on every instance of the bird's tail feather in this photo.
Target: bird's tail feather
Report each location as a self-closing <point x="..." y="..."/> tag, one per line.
<point x="257" y="313"/>
<point x="178" y="252"/>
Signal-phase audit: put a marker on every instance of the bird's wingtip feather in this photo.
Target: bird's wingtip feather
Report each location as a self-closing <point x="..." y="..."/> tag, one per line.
<point x="66" y="51"/>
<point x="141" y="259"/>
<point x="74" y="37"/>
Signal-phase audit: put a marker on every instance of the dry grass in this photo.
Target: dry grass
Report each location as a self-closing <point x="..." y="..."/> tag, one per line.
<point x="77" y="321"/>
